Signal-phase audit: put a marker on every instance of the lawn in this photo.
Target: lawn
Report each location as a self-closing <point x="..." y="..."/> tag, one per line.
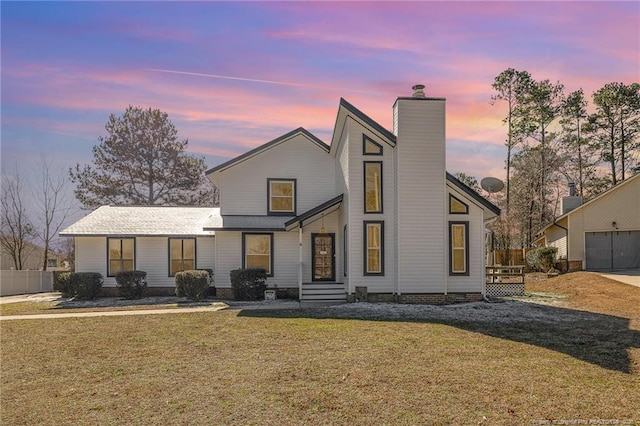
<point x="511" y="363"/>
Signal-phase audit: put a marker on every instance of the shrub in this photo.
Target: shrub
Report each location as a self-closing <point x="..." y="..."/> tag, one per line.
<point x="62" y="283"/>
<point x="86" y="285"/>
<point x="192" y="284"/>
<point x="542" y="259"/>
<point x="248" y="284"/>
<point x="131" y="284"/>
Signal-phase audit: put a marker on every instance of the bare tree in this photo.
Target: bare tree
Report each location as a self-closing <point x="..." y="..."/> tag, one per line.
<point x="53" y="205"/>
<point x="16" y="227"/>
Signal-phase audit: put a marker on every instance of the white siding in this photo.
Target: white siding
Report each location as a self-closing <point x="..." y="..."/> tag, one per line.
<point x="151" y="256"/>
<point x="91" y="256"/>
<point x="243" y="187"/>
<point x="342" y="187"/>
<point x="228" y="256"/>
<point x="356" y="215"/>
<point x="421" y="191"/>
<point x="474" y="282"/>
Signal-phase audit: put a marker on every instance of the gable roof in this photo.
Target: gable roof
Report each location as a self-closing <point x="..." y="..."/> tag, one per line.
<point x="345" y="109"/>
<point x="591" y="201"/>
<point x="144" y="220"/>
<point x="473" y="194"/>
<point x="309" y="214"/>
<point x="264" y="147"/>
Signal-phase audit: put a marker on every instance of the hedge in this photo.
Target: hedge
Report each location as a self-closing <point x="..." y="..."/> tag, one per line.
<point x="248" y="284"/>
<point x="193" y="284"/>
<point x="131" y="284"/>
<point x="542" y="258"/>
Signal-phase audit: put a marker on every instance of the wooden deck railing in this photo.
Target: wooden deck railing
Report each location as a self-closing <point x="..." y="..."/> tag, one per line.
<point x="498" y="274"/>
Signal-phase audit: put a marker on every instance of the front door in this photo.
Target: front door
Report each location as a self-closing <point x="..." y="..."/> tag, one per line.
<point x="323" y="261"/>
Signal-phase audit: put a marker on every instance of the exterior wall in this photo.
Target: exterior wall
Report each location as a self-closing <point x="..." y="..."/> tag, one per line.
<point x="151" y="256"/>
<point x="557" y="237"/>
<point x="343" y="187"/>
<point x="620" y="205"/>
<point x="285" y="254"/>
<point x="420" y="196"/>
<point x="474" y="282"/>
<point x="356" y="215"/>
<point x="243" y="187"/>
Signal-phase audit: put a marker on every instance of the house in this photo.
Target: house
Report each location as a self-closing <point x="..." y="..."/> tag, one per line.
<point x="33" y="258"/>
<point x="373" y="213"/>
<point x="601" y="234"/>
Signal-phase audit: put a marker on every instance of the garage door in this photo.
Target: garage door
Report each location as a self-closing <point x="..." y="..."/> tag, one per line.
<point x="612" y="250"/>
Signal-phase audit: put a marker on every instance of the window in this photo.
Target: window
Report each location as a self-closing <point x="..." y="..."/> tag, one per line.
<point x="456" y="206"/>
<point x="374" y="248"/>
<point x="121" y="255"/>
<point x="257" y="252"/>
<point x="370" y="147"/>
<point x="182" y="255"/>
<point x="52" y="263"/>
<point x="458" y="248"/>
<point x="373" y="186"/>
<point x="345" y="250"/>
<point x="282" y="196"/>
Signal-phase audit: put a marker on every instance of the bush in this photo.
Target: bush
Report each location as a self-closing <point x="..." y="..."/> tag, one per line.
<point x="192" y="284"/>
<point x="542" y="259"/>
<point x="131" y="284"/>
<point x="86" y="285"/>
<point x="248" y="284"/>
<point x="62" y="283"/>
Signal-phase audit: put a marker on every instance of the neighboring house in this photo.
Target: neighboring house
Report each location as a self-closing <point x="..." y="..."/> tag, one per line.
<point x="601" y="234"/>
<point x="33" y="257"/>
<point x="374" y="212"/>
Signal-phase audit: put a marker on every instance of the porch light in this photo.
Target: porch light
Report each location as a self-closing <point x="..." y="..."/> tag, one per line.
<point x="323" y="230"/>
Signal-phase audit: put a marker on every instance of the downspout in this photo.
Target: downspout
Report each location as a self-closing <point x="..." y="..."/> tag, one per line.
<point x="300" y="260"/>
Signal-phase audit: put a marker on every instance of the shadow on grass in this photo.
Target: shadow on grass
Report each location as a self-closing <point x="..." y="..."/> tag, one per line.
<point x="602" y="340"/>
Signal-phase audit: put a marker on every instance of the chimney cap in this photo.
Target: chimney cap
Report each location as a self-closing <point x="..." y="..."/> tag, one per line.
<point x="418" y="90"/>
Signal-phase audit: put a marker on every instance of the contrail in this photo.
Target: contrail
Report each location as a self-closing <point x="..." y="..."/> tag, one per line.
<point x="253" y="80"/>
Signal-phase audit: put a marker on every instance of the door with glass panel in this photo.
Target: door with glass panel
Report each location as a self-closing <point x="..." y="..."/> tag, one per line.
<point x="323" y="260"/>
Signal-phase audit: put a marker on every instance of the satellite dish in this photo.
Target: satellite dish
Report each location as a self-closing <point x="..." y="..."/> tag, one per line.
<point x="491" y="184"/>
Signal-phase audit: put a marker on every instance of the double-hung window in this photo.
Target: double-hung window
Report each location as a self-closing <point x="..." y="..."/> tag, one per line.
<point x="121" y="255"/>
<point x="373" y="186"/>
<point x="257" y="252"/>
<point x="373" y="248"/>
<point x="458" y="248"/>
<point x="182" y="253"/>
<point x="281" y="196"/>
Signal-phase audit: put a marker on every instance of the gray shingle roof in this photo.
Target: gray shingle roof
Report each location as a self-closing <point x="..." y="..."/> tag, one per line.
<point x="145" y="220"/>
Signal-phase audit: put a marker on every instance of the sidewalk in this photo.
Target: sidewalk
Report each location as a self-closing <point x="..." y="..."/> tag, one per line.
<point x="118" y="303"/>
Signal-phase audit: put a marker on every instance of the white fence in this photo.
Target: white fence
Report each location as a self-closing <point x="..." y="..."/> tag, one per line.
<point x="24" y="282"/>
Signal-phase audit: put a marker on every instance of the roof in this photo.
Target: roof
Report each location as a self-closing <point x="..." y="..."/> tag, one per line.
<point x="144" y="220"/>
<point x="247" y="223"/>
<point x="473" y="194"/>
<point x="264" y="147"/>
<point x="309" y="214"/>
<point x="368" y="120"/>
<point x="591" y="201"/>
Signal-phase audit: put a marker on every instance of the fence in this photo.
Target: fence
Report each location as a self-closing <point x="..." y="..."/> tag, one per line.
<point x="505" y="280"/>
<point x="25" y="282"/>
<point x="509" y="257"/>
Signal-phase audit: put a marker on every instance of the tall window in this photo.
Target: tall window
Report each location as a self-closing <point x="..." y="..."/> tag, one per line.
<point x="257" y="252"/>
<point x="459" y="248"/>
<point x="121" y="255"/>
<point x="373" y="186"/>
<point x="182" y="252"/>
<point x="373" y="248"/>
<point x="282" y="196"/>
